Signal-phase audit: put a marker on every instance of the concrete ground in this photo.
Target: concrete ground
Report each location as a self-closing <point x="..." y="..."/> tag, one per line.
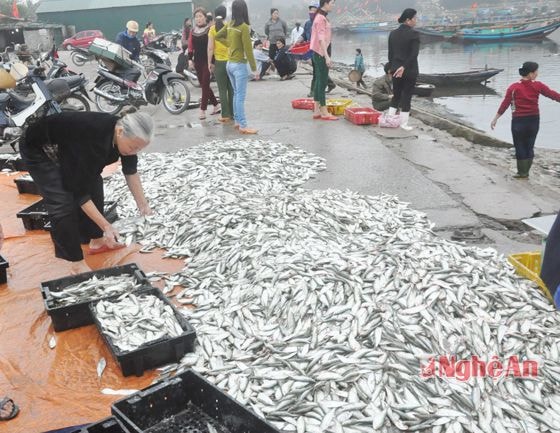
<point x="455" y="190"/>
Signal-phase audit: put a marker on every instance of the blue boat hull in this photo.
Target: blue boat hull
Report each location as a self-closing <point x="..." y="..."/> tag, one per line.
<point x="536" y="33"/>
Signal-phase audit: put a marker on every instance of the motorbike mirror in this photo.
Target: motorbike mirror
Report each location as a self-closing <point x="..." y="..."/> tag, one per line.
<point x="19" y="71"/>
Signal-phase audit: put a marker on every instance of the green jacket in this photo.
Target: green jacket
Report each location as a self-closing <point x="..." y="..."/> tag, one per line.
<point x="382" y="89"/>
<point x="238" y="40"/>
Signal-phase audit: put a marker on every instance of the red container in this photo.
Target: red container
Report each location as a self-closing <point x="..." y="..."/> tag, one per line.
<point x="303" y="104"/>
<point x="301" y="48"/>
<point x="362" y="115"/>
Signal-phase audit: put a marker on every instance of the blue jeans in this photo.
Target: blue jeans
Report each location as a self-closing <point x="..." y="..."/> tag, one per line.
<point x="239" y="77"/>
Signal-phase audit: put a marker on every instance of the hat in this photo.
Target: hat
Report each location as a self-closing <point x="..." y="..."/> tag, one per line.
<point x="132" y="26"/>
<point x="314" y="4"/>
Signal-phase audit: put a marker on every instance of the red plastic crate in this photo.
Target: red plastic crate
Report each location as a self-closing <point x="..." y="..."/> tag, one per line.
<point x="362" y="115"/>
<point x="303" y="104"/>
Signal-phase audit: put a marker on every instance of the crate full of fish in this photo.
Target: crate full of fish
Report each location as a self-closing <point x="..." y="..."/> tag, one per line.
<point x="4" y="265"/>
<point x="187" y="403"/>
<point x="12" y="162"/>
<point x="143" y="330"/>
<point x="108" y="425"/>
<point x="26" y="185"/>
<point x="67" y="299"/>
<point x="362" y="115"/>
<point x="36" y="216"/>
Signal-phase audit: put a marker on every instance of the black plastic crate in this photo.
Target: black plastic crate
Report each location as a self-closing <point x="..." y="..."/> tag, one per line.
<point x="76" y="315"/>
<point x="154" y="353"/>
<point x="186" y="403"/>
<point x="15" y="164"/>
<point x="108" y="425"/>
<point x="26" y="185"/>
<point x="4" y="265"/>
<point x="36" y="217"/>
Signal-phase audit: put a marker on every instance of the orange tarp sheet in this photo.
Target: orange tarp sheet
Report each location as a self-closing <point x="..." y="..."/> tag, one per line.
<point x="58" y="387"/>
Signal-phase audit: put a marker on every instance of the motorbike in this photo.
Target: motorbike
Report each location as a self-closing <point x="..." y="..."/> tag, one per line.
<point x="162" y="85"/>
<point x="81" y="56"/>
<point x="17" y="110"/>
<point x="166" y="42"/>
<point x="78" y="98"/>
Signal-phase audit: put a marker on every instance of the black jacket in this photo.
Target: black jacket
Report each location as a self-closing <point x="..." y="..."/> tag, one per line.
<point x="550" y="271"/>
<point x="83" y="146"/>
<point x="404" y="46"/>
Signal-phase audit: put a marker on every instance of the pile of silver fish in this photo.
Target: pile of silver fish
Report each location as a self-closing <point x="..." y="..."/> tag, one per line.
<point x="331" y="311"/>
<point x="131" y="321"/>
<point x="94" y="288"/>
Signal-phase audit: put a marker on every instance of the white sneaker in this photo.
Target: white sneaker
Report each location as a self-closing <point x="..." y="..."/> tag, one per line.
<point x="404" y="116"/>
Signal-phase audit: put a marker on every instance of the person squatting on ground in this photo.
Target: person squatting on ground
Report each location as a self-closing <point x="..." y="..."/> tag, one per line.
<point x="237" y="36"/>
<point x="263" y="61"/>
<point x="321" y="35"/>
<point x="128" y="40"/>
<point x="404" y="46"/>
<point x="217" y="64"/>
<point x="274" y="29"/>
<point x="360" y="67"/>
<point x="523" y="97"/>
<point x="198" y="59"/>
<point x="65" y="155"/>
<point x="307" y="31"/>
<point x="382" y="92"/>
<point x="284" y="62"/>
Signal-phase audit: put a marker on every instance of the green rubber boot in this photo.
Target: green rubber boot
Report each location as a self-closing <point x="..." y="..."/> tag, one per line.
<point x="523" y="166"/>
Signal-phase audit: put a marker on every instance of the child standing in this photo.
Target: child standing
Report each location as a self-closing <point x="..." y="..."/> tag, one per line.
<point x="360" y="67"/>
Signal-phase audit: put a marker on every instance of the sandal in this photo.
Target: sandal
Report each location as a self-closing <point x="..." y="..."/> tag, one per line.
<point x="248" y="131"/>
<point x="104" y="249"/>
<point x="6" y="413"/>
<point x="316" y="116"/>
<point x="217" y="110"/>
<point x="329" y="117"/>
<point x="202" y="115"/>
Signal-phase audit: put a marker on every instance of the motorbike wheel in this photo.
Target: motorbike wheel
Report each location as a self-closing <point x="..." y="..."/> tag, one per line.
<point x="105" y="105"/>
<point x="75" y="103"/>
<point x="176" y="96"/>
<point x="78" y="59"/>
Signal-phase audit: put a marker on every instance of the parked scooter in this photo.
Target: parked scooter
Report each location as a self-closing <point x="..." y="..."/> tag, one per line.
<point x="166" y="42"/>
<point x="81" y="56"/>
<point x="162" y="85"/>
<point x="17" y="110"/>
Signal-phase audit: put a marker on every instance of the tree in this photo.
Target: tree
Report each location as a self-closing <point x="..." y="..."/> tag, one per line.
<point x="25" y="11"/>
<point x="209" y="5"/>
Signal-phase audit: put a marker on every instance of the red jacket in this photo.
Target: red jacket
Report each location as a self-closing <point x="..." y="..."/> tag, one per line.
<point x="523" y="97"/>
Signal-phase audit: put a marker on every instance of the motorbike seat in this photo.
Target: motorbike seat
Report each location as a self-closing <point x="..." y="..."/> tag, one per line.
<point x="72" y="81"/>
<point x="20" y="102"/>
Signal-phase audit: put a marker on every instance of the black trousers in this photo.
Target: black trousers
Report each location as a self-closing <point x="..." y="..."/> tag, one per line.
<point x="403" y="88"/>
<point x="524" y="131"/>
<point x="70" y="225"/>
<point x="272" y="50"/>
<point x="265" y="67"/>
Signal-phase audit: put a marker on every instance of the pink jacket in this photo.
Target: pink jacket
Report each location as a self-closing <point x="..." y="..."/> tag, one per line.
<point x="321" y="31"/>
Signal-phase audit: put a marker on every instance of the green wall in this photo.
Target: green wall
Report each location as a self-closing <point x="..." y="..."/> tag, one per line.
<point x="112" y="21"/>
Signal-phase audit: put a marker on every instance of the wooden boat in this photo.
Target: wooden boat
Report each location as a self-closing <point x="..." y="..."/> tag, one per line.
<point x="424" y="90"/>
<point x="450" y="31"/>
<point x="459" y="78"/>
<point x="493" y="35"/>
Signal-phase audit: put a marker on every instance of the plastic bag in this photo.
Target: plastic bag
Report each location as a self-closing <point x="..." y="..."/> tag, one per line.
<point x="389" y="120"/>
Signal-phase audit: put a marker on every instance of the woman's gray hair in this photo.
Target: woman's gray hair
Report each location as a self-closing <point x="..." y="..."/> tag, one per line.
<point x="138" y="125"/>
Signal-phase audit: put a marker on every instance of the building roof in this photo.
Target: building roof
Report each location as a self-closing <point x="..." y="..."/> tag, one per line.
<point x="73" y="5"/>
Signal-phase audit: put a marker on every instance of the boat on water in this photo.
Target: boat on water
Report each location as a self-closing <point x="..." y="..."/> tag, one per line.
<point x="476" y="76"/>
<point x="425" y="90"/>
<point x="492" y="35"/>
<point x="367" y="27"/>
<point x="448" y="32"/>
